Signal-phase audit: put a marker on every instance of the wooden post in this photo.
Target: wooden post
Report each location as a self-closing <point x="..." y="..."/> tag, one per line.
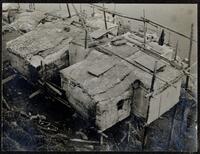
<point x="85" y="39"/>
<point x="104" y="14"/>
<point x="151" y="90"/>
<point x="68" y="10"/>
<point x="129" y="131"/>
<point x="101" y="139"/>
<point x="18" y="5"/>
<point x="42" y="69"/>
<point x="189" y="57"/>
<point x="144" y="28"/>
<point x="172" y="127"/>
<point x="80" y="8"/>
<point x="176" y="51"/>
<point x="169" y="38"/>
<point x="154" y="77"/>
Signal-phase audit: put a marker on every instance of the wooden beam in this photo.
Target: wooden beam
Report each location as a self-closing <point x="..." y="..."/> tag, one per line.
<point x="176" y="51"/>
<point x="68" y="10"/>
<point x="8" y="78"/>
<point x="54" y="89"/>
<point x="35" y="94"/>
<point x="5" y="103"/>
<point x="84" y="141"/>
<point x="144" y="29"/>
<point x="86" y="36"/>
<point x="151" y="90"/>
<point x="103" y="134"/>
<point x="104" y="15"/>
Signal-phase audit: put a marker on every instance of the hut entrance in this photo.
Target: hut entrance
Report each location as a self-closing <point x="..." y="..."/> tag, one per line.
<point x="139" y="103"/>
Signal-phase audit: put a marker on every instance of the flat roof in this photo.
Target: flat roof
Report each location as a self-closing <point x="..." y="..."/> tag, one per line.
<point x="106" y="77"/>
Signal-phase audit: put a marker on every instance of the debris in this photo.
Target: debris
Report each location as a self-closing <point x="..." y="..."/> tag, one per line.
<point x="35" y="94"/>
<point x="118" y="43"/>
<point x="82" y="135"/>
<point x="38" y="117"/>
<point x="24" y="114"/>
<point x="83" y="141"/>
<point x="6" y="104"/>
<point x="14" y="123"/>
<point x="49" y="129"/>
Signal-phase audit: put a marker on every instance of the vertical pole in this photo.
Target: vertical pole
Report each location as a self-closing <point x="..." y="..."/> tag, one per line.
<point x="144" y="28"/>
<point x="154" y="77"/>
<point x="176" y="50"/>
<point x="172" y="127"/>
<point x="151" y="90"/>
<point x="169" y="38"/>
<point x="42" y="68"/>
<point x="101" y="139"/>
<point x="104" y="14"/>
<point x="129" y="130"/>
<point x="189" y="56"/>
<point x="60" y="7"/>
<point x="68" y="10"/>
<point x="80" y="8"/>
<point x="85" y="39"/>
<point x="18" y="5"/>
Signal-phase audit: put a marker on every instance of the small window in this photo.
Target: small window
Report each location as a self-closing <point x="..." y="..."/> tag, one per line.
<point x="120" y="105"/>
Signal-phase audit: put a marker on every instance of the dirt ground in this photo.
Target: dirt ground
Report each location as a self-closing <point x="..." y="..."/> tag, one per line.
<point x="23" y="131"/>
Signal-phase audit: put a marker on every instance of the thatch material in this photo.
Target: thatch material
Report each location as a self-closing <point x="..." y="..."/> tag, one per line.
<point x="27" y="21"/>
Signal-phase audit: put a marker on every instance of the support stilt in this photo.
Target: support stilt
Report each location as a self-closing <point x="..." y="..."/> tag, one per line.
<point x="151" y="90"/>
<point x="189" y="57"/>
<point x="172" y="128"/>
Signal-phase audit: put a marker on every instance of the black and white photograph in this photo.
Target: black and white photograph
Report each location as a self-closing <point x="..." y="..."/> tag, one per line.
<point x="99" y="77"/>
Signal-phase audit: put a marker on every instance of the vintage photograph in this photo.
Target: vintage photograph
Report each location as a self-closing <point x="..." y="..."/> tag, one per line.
<point x="99" y="77"/>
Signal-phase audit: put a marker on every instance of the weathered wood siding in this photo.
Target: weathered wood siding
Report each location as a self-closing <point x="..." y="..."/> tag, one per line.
<point x="163" y="102"/>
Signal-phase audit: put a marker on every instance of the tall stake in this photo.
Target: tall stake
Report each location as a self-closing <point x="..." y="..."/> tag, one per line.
<point x="68" y="10"/>
<point x="172" y="127"/>
<point x="169" y="38"/>
<point x="189" y="56"/>
<point x="151" y="90"/>
<point x="80" y="8"/>
<point x="85" y="39"/>
<point x="104" y="14"/>
<point x="144" y="28"/>
<point x="176" y="50"/>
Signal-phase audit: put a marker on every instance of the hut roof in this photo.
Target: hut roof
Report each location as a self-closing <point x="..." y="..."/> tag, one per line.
<point x="107" y="77"/>
<point x="27" y="21"/>
<point x="45" y="40"/>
